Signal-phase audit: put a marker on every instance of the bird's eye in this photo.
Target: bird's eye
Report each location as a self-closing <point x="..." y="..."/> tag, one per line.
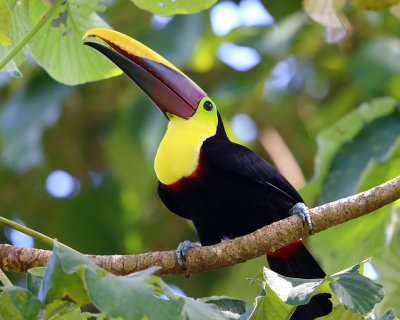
<point x="208" y="106"/>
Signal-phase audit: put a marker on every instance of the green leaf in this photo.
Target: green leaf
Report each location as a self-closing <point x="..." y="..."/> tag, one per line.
<point x="130" y="297"/>
<point x="364" y="237"/>
<point x="351" y="293"/>
<point x="19" y="27"/>
<point x="93" y="316"/>
<point x="7" y="309"/>
<point x="63" y="310"/>
<point x="374" y="142"/>
<point x="5" y="24"/>
<point x="58" y="47"/>
<point x="27" y="305"/>
<point x="387" y="262"/>
<point x="168" y="7"/>
<point x="293" y="291"/>
<point x="271" y="307"/>
<point x="73" y="277"/>
<point x="61" y="283"/>
<point x="33" y="280"/>
<point x="356" y="292"/>
<point x="331" y="139"/>
<point x="230" y="306"/>
<point x="193" y="309"/>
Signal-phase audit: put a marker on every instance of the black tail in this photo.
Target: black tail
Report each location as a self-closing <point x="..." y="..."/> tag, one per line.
<point x="295" y="261"/>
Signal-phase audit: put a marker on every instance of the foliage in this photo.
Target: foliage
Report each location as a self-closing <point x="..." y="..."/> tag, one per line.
<point x="332" y="97"/>
<point x="168" y="8"/>
<point x="71" y="280"/>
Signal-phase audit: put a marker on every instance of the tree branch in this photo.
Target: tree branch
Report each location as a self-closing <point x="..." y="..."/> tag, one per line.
<point x="226" y="253"/>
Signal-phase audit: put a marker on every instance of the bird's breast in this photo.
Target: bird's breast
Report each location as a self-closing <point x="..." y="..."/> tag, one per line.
<point x="178" y="156"/>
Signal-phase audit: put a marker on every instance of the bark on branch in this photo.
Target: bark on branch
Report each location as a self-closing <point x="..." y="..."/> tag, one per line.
<point x="227" y="253"/>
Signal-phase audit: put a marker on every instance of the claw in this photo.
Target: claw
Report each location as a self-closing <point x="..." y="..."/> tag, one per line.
<point x="181" y="252"/>
<point x="301" y="209"/>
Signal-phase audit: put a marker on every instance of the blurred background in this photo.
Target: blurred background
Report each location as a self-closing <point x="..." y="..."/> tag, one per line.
<point x="76" y="162"/>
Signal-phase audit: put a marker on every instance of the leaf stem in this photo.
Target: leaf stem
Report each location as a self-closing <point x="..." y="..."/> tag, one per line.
<point x="3" y="278"/>
<point x="56" y="312"/>
<point x="30" y="232"/>
<point x="46" y="16"/>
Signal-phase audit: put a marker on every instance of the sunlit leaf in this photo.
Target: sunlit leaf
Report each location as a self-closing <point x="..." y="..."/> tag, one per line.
<point x="271" y="307"/>
<point x="168" y="7"/>
<point x="63" y="310"/>
<point x="293" y="291"/>
<point x="93" y="316"/>
<point x="19" y="27"/>
<point x="73" y="277"/>
<point x="5" y="24"/>
<point x="58" y="47"/>
<point x="24" y="303"/>
<point x="388" y="263"/>
<point x="7" y="309"/>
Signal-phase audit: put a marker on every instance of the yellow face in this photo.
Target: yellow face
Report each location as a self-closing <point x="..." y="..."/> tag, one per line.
<point x="178" y="153"/>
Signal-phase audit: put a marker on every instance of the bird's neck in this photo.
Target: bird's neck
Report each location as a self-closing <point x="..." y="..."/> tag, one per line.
<point x="178" y="154"/>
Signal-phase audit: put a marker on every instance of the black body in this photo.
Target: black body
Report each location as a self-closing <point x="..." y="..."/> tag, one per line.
<point x="234" y="192"/>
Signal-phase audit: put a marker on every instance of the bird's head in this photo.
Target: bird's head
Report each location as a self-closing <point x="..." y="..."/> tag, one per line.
<point x="175" y="94"/>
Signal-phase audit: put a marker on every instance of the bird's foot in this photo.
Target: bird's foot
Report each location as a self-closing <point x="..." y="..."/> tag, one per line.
<point x="181" y="252"/>
<point x="301" y="209"/>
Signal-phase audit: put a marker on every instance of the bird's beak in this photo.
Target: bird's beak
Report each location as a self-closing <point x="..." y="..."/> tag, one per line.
<point x="169" y="88"/>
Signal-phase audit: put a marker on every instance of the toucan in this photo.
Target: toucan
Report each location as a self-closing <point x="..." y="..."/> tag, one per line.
<point x="224" y="188"/>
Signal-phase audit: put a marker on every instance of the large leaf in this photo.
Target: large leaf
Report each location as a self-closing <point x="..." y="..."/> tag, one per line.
<point x="230" y="306"/>
<point x="168" y="7"/>
<point x="333" y="138"/>
<point x="19" y="27"/>
<point x="356" y="292"/>
<point x="373" y="143"/>
<point x="195" y="309"/>
<point x="34" y="279"/>
<point x="363" y="237"/>
<point x="73" y="278"/>
<point x="352" y="294"/>
<point x="27" y="305"/>
<point x="388" y="263"/>
<point x="58" y="48"/>
<point x="269" y="306"/>
<point x="5" y="23"/>
<point x="293" y="291"/>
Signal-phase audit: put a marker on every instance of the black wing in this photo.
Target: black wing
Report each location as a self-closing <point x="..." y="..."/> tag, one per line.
<point x="240" y="160"/>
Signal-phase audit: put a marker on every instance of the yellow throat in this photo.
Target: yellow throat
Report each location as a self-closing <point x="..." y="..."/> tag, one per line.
<point x="178" y="153"/>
